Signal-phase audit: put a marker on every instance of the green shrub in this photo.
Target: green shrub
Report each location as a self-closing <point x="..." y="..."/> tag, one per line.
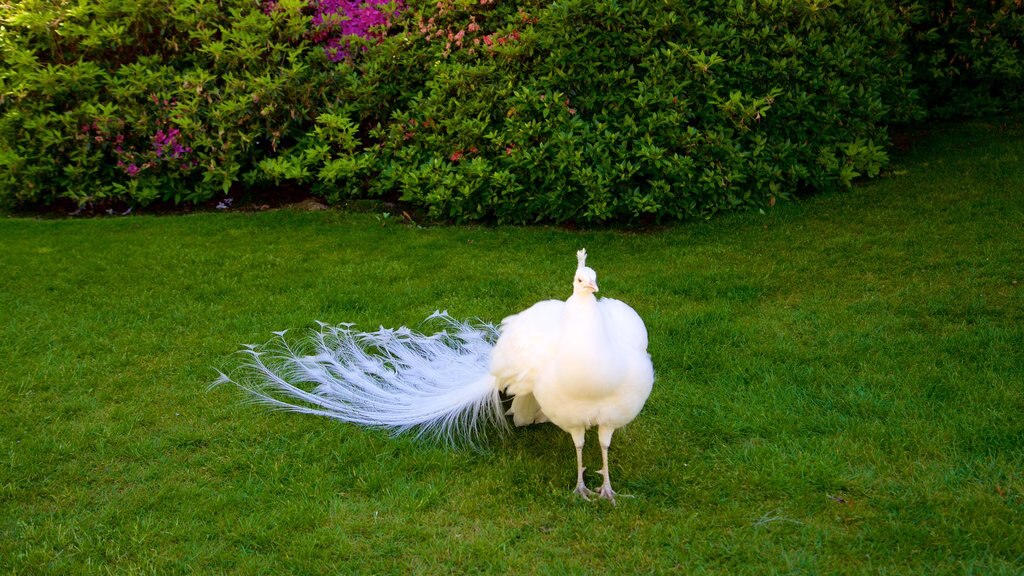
<point x="968" y="56"/>
<point x="522" y="111"/>
<point x="167" y="100"/>
<point x="609" y="110"/>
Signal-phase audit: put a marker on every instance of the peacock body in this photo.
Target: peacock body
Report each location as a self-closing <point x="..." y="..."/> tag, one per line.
<point x="579" y="364"/>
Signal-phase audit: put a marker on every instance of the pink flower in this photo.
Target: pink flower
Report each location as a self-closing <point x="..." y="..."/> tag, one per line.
<point x="336" y="19"/>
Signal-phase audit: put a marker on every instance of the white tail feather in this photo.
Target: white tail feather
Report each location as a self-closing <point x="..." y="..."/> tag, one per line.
<point x="436" y="385"/>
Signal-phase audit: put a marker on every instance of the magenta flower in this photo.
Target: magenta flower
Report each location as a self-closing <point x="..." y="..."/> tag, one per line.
<point x="167" y="143"/>
<point x="335" y="20"/>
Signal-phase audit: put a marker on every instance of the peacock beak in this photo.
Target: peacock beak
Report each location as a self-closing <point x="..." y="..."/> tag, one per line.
<point x="592" y="286"/>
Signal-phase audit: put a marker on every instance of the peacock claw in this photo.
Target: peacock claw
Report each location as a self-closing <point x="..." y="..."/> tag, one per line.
<point x="583" y="491"/>
<point x="607" y="493"/>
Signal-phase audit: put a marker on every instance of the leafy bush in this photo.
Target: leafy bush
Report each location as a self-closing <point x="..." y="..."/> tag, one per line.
<point x="968" y="56"/>
<point x="608" y="110"/>
<point x="520" y="111"/>
<point x="168" y="100"/>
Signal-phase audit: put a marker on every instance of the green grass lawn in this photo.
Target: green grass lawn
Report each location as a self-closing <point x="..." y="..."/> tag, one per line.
<point x="840" y="389"/>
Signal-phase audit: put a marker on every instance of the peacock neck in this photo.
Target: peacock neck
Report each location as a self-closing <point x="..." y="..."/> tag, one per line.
<point x="582" y="296"/>
<point x="582" y="317"/>
<point x="587" y="358"/>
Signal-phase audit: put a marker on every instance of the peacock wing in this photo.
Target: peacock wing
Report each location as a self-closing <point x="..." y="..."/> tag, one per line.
<point x="526" y="347"/>
<point x="624" y="324"/>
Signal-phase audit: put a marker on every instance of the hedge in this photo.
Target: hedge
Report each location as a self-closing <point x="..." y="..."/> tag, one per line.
<point x="483" y="110"/>
<point x="967" y="56"/>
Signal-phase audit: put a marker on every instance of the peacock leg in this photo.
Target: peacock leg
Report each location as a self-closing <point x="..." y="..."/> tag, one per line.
<point x="604" y="434"/>
<point x="577" y="439"/>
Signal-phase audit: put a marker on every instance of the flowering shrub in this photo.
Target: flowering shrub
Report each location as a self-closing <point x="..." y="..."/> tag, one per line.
<point x="511" y="111"/>
<point x="170" y="100"/>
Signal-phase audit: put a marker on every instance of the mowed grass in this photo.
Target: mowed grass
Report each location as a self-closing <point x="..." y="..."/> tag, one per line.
<point x="839" y="390"/>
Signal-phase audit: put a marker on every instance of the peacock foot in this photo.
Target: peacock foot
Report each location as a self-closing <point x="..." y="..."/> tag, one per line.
<point x="583" y="491"/>
<point x="606" y="492"/>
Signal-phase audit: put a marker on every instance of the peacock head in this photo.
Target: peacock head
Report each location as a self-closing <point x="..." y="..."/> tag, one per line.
<point x="585" y="281"/>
